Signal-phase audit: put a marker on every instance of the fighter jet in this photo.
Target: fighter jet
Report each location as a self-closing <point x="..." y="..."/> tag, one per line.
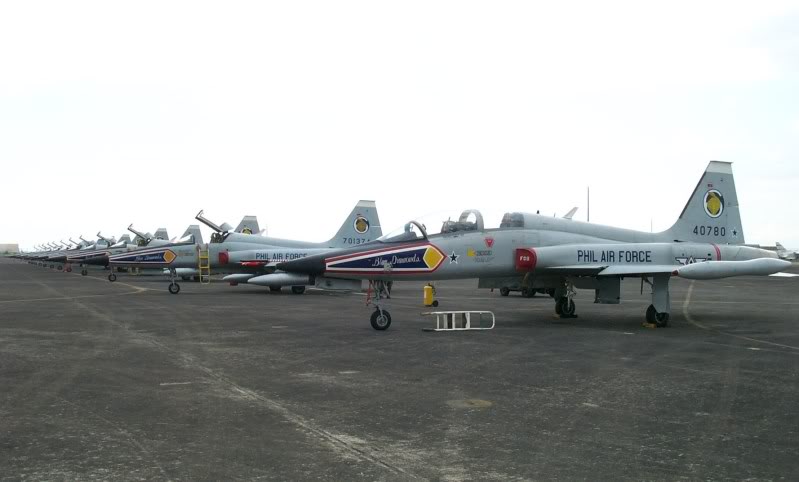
<point x="251" y="257"/>
<point x="785" y="254"/>
<point x="53" y="255"/>
<point x="192" y="235"/>
<point x="97" y="254"/>
<point x="63" y="256"/>
<point x="141" y="257"/>
<point x="560" y="255"/>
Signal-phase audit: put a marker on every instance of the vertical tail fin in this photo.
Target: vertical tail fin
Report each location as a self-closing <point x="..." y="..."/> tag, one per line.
<point x="248" y="225"/>
<point x="361" y="226"/>
<point x="161" y="233"/>
<point x="712" y="214"/>
<point x="194" y="232"/>
<point x="124" y="239"/>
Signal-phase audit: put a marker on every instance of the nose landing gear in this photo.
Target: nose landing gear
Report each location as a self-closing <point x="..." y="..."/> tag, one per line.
<point x="380" y="319"/>
<point x="174" y="287"/>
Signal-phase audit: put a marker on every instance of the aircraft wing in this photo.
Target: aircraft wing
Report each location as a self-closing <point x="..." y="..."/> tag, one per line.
<point x="575" y="270"/>
<point x="604" y="270"/>
<point x="637" y="269"/>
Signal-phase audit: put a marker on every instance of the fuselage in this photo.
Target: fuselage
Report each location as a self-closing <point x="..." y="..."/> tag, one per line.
<point x="492" y="252"/>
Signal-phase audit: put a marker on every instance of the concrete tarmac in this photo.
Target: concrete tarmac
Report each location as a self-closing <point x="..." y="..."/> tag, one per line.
<point x="123" y="381"/>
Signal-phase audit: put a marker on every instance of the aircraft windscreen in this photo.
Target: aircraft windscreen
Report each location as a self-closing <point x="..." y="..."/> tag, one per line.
<point x="186" y="239"/>
<point x="120" y="244"/>
<point x="410" y="231"/>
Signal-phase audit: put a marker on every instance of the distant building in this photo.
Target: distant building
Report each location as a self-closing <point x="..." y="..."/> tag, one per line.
<point x="9" y="248"/>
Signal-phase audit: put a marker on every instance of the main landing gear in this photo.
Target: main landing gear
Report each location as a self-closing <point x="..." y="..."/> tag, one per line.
<point x="174" y="287"/>
<point x="564" y="304"/>
<point x="658" y="312"/>
<point x="380" y="319"/>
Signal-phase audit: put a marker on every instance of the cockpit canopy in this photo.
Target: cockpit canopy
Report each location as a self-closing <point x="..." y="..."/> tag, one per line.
<point x="512" y="220"/>
<point x="428" y="225"/>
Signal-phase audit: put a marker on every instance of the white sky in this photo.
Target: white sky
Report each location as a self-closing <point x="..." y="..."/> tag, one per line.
<point x="114" y="113"/>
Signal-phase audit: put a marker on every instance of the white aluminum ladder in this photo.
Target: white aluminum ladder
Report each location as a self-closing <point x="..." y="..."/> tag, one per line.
<point x="461" y="320"/>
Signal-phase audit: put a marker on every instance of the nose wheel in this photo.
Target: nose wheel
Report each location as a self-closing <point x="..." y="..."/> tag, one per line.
<point x="380" y="318"/>
<point x="174" y="287"/>
<point x="112" y="277"/>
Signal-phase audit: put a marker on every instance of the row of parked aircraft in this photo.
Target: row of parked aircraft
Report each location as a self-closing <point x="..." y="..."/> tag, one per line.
<point x="529" y="252"/>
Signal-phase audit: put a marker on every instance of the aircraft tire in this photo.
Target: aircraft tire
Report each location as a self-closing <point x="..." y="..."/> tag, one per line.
<point x="112" y="277"/>
<point x="504" y="291"/>
<point x="662" y="320"/>
<point x="174" y="288"/>
<point x="69" y="270"/>
<point x="275" y="289"/>
<point x="298" y="290"/>
<point x="650" y="314"/>
<point x="565" y="307"/>
<point x="60" y="267"/>
<point x="528" y="292"/>
<point x="380" y="320"/>
<point x="83" y="272"/>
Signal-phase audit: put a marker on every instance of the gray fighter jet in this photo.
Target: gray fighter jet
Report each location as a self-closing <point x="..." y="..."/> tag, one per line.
<point x="251" y="257"/>
<point x="786" y="254"/>
<point x="97" y="255"/>
<point x="541" y="252"/>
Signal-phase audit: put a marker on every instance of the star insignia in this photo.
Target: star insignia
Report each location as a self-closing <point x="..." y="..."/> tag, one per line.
<point x="453" y="258"/>
<point x="735" y="232"/>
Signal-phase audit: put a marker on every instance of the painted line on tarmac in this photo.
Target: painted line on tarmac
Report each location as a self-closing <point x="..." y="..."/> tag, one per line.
<point x="697" y="324"/>
<point x="338" y="443"/>
<point x="140" y="290"/>
<point x="136" y="290"/>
